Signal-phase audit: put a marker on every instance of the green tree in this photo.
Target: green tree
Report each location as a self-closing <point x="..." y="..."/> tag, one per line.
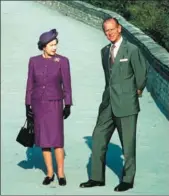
<point x="152" y="20"/>
<point x="151" y="16"/>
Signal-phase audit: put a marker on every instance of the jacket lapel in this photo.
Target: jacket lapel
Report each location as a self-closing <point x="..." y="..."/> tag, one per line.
<point x="107" y="56"/>
<point x="120" y="54"/>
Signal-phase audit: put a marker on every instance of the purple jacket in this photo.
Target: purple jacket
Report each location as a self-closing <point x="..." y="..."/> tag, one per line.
<point x="49" y="78"/>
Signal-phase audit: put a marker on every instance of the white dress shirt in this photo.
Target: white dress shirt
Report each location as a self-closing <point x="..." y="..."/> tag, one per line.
<point x="117" y="46"/>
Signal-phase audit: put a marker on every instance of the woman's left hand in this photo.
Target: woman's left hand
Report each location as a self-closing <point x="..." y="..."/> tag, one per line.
<point x="66" y="111"/>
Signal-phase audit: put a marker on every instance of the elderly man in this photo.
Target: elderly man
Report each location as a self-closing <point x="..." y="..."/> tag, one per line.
<point x="125" y="76"/>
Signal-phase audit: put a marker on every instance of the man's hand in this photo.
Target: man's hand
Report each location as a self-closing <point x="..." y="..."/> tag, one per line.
<point x="139" y="92"/>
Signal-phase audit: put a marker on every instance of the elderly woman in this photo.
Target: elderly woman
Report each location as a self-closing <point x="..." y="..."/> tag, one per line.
<point x="49" y="98"/>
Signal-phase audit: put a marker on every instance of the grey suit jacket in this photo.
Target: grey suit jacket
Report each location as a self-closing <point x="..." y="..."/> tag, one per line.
<point x="128" y="75"/>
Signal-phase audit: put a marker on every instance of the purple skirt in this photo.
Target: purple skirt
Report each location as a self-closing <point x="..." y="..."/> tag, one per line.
<point x="48" y="122"/>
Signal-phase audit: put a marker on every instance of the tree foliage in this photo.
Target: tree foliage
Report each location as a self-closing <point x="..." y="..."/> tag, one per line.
<point x="151" y="16"/>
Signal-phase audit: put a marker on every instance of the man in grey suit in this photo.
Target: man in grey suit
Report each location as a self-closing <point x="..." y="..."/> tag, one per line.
<point x="125" y="77"/>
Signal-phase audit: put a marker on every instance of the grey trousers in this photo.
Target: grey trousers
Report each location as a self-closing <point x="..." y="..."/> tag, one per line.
<point x="105" y="126"/>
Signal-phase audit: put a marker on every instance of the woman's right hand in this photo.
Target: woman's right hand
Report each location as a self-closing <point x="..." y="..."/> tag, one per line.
<point x="29" y="113"/>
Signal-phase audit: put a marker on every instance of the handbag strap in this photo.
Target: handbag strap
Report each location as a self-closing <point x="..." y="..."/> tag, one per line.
<point x="25" y="123"/>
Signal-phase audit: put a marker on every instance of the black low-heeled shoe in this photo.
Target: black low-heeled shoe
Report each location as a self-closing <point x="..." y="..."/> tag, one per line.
<point x="48" y="180"/>
<point x="92" y="183"/>
<point x="123" y="186"/>
<point x="62" y="181"/>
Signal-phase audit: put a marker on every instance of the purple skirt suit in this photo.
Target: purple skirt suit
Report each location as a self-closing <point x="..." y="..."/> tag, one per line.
<point x="48" y="89"/>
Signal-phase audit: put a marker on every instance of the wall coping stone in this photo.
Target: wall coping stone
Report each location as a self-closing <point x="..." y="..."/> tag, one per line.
<point x="156" y="55"/>
<point x="157" y="51"/>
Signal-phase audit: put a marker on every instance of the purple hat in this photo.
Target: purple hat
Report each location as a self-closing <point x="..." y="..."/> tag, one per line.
<point x="46" y="37"/>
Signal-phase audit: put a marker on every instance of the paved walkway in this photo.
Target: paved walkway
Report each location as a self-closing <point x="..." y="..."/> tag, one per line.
<point x="21" y="168"/>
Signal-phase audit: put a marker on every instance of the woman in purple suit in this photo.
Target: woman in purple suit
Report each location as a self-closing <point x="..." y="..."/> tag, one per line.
<point x="49" y="98"/>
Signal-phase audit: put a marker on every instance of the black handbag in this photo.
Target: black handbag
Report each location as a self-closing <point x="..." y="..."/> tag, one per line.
<point x="26" y="134"/>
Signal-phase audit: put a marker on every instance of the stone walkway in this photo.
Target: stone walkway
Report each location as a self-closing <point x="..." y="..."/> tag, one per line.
<point x="21" y="168"/>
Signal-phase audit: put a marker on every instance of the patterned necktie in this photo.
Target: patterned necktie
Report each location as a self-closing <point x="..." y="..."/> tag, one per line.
<point x="112" y="54"/>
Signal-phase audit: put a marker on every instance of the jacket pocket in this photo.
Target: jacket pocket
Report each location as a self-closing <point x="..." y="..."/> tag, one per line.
<point x="55" y="98"/>
<point x="116" y="88"/>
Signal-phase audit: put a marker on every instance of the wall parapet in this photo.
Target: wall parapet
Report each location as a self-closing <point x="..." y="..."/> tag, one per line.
<point x="156" y="55"/>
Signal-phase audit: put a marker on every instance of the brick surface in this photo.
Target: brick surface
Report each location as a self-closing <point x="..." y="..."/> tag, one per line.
<point x="21" y="168"/>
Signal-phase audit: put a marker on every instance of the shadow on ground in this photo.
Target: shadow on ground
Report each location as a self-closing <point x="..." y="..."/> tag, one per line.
<point x="34" y="160"/>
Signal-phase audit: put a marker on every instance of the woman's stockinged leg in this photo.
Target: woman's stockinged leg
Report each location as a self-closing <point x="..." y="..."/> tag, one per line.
<point x="59" y="155"/>
<point x="47" y="155"/>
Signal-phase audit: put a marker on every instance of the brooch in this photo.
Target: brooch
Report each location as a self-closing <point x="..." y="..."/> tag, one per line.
<point x="56" y="59"/>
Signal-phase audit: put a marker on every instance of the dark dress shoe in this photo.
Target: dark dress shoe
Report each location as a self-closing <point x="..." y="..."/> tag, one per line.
<point x="123" y="186"/>
<point x="91" y="183"/>
<point x="48" y="180"/>
<point x="62" y="181"/>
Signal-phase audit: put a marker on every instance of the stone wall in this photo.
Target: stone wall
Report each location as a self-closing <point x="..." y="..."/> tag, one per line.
<point x="157" y="56"/>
